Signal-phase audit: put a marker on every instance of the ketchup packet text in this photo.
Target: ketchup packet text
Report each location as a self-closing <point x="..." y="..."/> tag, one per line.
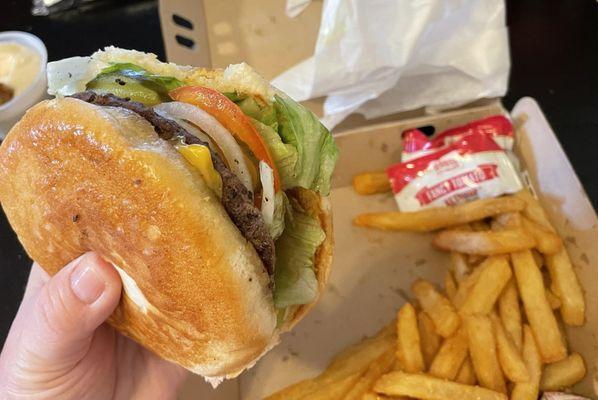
<point x="472" y="167"/>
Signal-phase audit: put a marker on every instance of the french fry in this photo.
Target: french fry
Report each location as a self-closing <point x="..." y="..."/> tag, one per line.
<point x="379" y="367"/>
<point x="511" y="220"/>
<point x="553" y="300"/>
<point x="426" y="387"/>
<point x="370" y="396"/>
<point x="486" y="243"/>
<point x="510" y="313"/>
<point x="533" y="210"/>
<point x="508" y="355"/>
<point x="465" y="286"/>
<point x="450" y="356"/>
<point x="438" y="307"/>
<point x="538" y="258"/>
<point x="564" y="278"/>
<point x="450" y="286"/>
<point x="475" y="259"/>
<point x="317" y="388"/>
<point x="479" y="225"/>
<point x="344" y="370"/>
<point x="334" y="390"/>
<point x="430" y="340"/>
<point x="371" y="183"/>
<point x="529" y="390"/>
<point x="296" y="391"/>
<point x="564" y="373"/>
<point x="466" y="374"/>
<point x="396" y="366"/>
<point x="462" y="227"/>
<point x="482" y="350"/>
<point x="518" y="123"/>
<point x="548" y="241"/>
<point x="495" y="274"/>
<point x="408" y="342"/>
<point x="459" y="266"/>
<point x="440" y="217"/>
<point x="539" y="314"/>
<point x="377" y="396"/>
<point x="358" y="357"/>
<point x="567" y="288"/>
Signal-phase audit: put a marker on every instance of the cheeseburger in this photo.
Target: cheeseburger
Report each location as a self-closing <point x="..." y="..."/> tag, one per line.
<point x="206" y="189"/>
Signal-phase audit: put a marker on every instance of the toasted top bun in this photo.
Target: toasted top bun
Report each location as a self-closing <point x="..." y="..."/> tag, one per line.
<point x="69" y="76"/>
<point x="76" y="177"/>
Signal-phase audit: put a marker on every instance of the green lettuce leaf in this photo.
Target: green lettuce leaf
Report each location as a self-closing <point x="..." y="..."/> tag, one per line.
<point x="285" y="155"/>
<point x="255" y="107"/>
<point x="299" y="128"/>
<point x="235" y="96"/>
<point x="260" y="110"/>
<point x="281" y="207"/>
<point x="317" y="152"/>
<point x="295" y="279"/>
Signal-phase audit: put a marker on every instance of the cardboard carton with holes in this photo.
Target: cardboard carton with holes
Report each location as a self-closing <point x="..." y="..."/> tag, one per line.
<point x="373" y="270"/>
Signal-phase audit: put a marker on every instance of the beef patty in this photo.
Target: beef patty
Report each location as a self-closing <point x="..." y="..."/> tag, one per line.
<point x="236" y="198"/>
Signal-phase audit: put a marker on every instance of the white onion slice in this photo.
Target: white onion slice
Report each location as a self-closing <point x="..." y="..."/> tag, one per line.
<point x="220" y="135"/>
<point x="267" y="178"/>
<point x="192" y="129"/>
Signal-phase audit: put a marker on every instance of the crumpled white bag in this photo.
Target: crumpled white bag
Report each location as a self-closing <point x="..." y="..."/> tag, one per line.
<point x="295" y="7"/>
<point x="377" y="57"/>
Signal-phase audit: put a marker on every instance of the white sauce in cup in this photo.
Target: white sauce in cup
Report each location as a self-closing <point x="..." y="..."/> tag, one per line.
<point x="19" y="66"/>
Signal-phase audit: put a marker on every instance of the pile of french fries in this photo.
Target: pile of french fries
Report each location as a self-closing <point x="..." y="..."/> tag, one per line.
<point x="493" y="332"/>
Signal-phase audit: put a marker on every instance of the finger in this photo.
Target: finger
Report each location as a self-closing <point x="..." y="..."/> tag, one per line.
<point x="69" y="307"/>
<point x="37" y="279"/>
<point x="149" y="375"/>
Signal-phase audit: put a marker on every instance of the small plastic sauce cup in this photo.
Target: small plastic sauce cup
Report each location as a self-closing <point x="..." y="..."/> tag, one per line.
<point x="13" y="110"/>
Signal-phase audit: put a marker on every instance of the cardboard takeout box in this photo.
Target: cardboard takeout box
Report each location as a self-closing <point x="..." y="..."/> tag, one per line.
<point x="215" y="33"/>
<point x="372" y="270"/>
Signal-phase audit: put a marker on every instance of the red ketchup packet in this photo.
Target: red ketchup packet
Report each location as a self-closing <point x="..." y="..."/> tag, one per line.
<point x="472" y="167"/>
<point x="498" y="127"/>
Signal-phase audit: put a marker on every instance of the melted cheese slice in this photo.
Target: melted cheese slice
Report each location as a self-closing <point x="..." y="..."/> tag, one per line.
<point x="200" y="158"/>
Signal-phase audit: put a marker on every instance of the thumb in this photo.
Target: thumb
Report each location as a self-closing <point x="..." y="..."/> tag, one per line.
<point x="69" y="308"/>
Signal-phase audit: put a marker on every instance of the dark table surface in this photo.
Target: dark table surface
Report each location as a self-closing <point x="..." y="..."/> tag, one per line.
<point x="554" y="50"/>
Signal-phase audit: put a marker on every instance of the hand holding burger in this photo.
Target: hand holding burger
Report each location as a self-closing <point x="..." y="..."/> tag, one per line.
<point x="59" y="347"/>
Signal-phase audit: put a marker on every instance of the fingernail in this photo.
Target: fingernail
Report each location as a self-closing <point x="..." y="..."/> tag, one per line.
<point x="86" y="283"/>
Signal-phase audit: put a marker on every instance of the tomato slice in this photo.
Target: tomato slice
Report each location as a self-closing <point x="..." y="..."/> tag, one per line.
<point x="231" y="117"/>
